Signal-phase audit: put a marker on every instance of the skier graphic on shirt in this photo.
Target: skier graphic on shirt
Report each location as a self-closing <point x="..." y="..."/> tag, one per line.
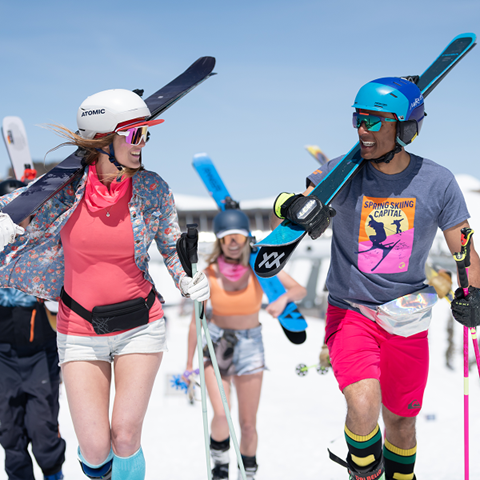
<point x="386" y="234"/>
<point x="379" y="237"/>
<point x="397" y="224"/>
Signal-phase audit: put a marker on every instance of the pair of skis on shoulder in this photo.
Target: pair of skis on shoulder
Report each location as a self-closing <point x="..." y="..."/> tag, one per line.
<point x="71" y="168"/>
<point x="291" y="320"/>
<point x="278" y="247"/>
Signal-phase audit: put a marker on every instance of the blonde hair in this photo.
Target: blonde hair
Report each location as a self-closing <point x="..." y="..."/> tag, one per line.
<point x="217" y="251"/>
<point x="90" y="146"/>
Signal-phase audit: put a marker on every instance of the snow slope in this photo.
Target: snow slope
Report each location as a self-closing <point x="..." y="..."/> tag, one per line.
<point x="299" y="418"/>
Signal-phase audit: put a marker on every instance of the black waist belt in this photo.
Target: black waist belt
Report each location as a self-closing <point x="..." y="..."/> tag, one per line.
<point x="115" y="317"/>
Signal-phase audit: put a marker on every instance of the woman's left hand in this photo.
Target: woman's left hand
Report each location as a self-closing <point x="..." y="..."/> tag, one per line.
<point x="276" y="308"/>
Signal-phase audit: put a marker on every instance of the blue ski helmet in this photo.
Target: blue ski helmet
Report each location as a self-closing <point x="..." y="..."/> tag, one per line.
<point x="398" y="96"/>
<point x="231" y="221"/>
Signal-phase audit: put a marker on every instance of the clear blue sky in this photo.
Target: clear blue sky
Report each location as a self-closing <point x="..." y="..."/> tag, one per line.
<point x="288" y="72"/>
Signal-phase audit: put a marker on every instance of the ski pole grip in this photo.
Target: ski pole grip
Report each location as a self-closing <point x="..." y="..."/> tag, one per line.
<point x="463" y="259"/>
<point x="466" y="241"/>
<point x="462" y="271"/>
<point x="192" y="242"/>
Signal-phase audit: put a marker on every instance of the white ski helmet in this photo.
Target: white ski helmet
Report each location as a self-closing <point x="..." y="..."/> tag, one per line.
<point x="104" y="111"/>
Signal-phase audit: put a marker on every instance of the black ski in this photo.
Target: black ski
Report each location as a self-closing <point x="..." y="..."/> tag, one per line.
<point x="277" y="247"/>
<point x="71" y="168"/>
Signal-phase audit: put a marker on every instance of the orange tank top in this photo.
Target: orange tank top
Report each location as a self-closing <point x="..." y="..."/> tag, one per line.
<point x="241" y="302"/>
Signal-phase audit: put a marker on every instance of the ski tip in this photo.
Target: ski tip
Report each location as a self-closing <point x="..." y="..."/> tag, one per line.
<point x="200" y="159"/>
<point x="466" y="35"/>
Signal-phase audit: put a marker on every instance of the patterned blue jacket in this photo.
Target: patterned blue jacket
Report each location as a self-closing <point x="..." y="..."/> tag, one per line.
<point x="35" y="263"/>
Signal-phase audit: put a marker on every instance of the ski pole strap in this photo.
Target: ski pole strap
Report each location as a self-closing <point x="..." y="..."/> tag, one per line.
<point x="187" y="247"/>
<point x="280" y="202"/>
<point x="336" y="459"/>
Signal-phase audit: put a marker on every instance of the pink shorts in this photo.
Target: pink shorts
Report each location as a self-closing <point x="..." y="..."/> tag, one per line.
<point x="360" y="349"/>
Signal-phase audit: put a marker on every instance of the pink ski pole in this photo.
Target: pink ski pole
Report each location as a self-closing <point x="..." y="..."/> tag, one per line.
<point x="463" y="262"/>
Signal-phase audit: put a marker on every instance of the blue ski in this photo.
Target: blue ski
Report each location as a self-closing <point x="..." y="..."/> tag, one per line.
<point x="291" y="319"/>
<point x="277" y="247"/>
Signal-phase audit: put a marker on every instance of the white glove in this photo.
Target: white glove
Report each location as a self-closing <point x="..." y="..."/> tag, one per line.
<point x="196" y="288"/>
<point x="8" y="230"/>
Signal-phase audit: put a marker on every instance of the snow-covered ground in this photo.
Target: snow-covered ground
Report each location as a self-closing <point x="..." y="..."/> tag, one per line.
<point x="299" y="417"/>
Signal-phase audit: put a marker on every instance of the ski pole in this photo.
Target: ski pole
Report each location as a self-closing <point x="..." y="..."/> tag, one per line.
<point x="462" y="259"/>
<point x="463" y="262"/>
<point x="192" y="241"/>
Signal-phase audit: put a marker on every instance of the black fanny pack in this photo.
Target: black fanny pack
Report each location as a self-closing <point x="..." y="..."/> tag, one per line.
<point x="115" y="317"/>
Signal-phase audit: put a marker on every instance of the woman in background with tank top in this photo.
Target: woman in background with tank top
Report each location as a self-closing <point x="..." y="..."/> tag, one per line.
<point x="236" y="299"/>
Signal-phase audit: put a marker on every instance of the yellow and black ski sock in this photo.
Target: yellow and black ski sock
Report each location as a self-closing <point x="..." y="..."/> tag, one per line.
<point x="399" y="463"/>
<point x="364" y="451"/>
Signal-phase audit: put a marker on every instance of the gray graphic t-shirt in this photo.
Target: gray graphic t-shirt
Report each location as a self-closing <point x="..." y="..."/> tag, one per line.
<point x="384" y="228"/>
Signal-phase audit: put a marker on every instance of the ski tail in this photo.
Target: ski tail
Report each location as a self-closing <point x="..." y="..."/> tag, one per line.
<point x="317" y="154"/>
<point x="449" y="58"/>
<point x="207" y="172"/>
<point x="192" y="77"/>
<point x="15" y="137"/>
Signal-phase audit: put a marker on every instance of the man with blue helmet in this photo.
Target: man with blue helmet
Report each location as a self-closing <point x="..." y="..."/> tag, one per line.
<point x="379" y="305"/>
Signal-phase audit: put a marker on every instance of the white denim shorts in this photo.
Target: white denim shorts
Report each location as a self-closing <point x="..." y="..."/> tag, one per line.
<point x="148" y="338"/>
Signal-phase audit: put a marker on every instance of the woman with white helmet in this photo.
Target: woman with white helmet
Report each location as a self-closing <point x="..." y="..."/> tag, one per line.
<point x="236" y="298"/>
<point x="92" y="238"/>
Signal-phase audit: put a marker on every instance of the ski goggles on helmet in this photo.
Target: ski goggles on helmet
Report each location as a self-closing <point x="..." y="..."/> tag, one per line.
<point x="373" y="123"/>
<point x="237" y="237"/>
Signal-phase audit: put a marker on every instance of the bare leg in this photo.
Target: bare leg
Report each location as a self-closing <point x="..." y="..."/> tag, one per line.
<point x="219" y="427"/>
<point x="134" y="378"/>
<point x="363" y="405"/>
<point x="88" y="391"/>
<point x="399" y="431"/>
<point x="248" y="394"/>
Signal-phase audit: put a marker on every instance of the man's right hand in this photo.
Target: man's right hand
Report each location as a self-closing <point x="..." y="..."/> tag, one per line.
<point x="306" y="211"/>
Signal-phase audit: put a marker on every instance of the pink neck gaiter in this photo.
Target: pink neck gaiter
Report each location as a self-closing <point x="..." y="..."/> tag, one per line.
<point x="233" y="271"/>
<point x="98" y="196"/>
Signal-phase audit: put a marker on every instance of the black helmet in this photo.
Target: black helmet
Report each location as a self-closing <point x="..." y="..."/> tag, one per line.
<point x="10" y="185"/>
<point x="231" y="221"/>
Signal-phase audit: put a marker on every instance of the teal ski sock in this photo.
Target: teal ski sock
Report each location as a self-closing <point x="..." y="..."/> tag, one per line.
<point x="129" y="468"/>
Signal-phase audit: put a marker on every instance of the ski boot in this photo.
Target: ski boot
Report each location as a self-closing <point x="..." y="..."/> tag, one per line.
<point x="221" y="458"/>
<point x="372" y="472"/>
<point x="103" y="473"/>
<point x="55" y="476"/>
<point x="251" y="467"/>
<point x="220" y="471"/>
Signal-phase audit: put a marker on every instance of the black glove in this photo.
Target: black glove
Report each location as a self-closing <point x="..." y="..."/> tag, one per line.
<point x="307" y="212"/>
<point x="466" y="310"/>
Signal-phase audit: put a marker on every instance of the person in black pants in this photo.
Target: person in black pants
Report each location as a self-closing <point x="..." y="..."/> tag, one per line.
<point x="29" y="384"/>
